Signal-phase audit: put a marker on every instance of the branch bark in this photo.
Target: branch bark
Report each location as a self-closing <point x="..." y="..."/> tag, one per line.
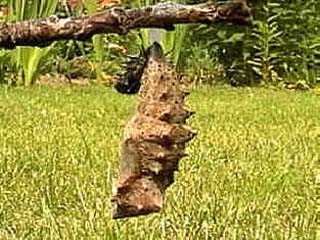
<point x="119" y="20"/>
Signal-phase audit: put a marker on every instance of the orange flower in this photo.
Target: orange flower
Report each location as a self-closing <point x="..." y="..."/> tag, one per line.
<point x="73" y="4"/>
<point x="107" y="3"/>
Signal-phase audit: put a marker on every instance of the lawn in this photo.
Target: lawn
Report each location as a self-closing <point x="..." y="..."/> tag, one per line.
<point x="251" y="174"/>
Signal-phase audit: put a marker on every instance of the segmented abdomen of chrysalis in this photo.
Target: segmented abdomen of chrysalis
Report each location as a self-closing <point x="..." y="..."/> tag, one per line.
<point x="154" y="140"/>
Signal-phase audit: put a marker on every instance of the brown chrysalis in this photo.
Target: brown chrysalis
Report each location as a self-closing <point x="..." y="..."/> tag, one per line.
<point x="154" y="140"/>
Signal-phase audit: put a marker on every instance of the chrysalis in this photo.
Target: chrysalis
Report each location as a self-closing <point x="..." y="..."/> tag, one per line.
<point x="154" y="140"/>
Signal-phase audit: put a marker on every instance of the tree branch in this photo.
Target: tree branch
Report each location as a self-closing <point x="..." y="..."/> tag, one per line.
<point x="119" y="20"/>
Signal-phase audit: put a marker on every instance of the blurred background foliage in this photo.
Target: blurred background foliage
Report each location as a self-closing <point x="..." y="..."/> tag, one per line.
<point x="281" y="49"/>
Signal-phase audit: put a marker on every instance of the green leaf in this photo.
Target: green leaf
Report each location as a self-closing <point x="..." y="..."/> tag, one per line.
<point x="235" y="38"/>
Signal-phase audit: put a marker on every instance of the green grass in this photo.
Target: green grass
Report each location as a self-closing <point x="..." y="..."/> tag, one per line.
<point x="251" y="173"/>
